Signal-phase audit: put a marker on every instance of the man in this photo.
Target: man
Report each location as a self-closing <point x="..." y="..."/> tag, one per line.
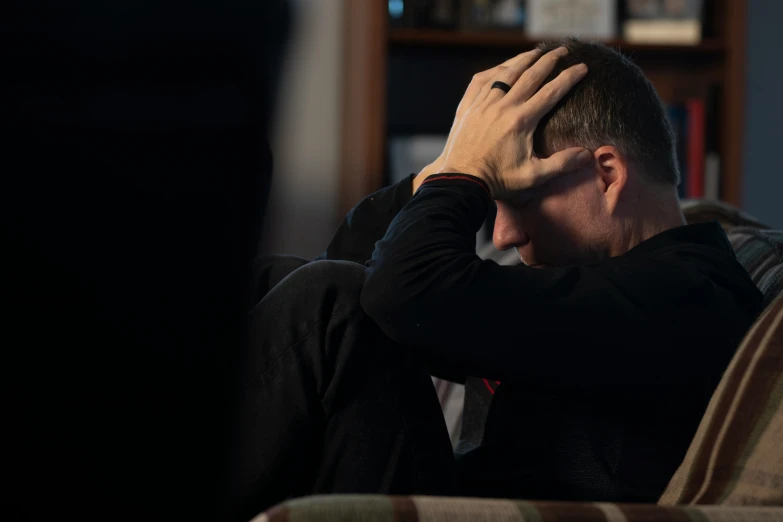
<point x="608" y="340"/>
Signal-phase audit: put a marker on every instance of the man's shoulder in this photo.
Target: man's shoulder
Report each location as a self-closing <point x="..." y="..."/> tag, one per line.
<point x="693" y="237"/>
<point x="693" y="263"/>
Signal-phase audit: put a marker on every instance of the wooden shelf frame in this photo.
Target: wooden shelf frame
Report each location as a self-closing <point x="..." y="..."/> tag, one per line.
<point x="508" y="38"/>
<point x="369" y="40"/>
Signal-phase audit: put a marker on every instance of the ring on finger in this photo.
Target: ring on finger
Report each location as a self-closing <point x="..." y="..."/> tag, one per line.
<point x="503" y="86"/>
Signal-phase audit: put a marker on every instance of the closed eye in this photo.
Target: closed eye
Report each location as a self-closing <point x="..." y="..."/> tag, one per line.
<point x="523" y="200"/>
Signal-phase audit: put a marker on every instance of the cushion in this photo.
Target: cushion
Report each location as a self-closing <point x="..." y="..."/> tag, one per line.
<point x="700" y="210"/>
<point x="736" y="456"/>
<point x="758" y="248"/>
<point x="362" y="508"/>
<point x="761" y="253"/>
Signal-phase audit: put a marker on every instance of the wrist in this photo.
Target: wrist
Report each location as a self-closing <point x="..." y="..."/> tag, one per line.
<point x="476" y="172"/>
<point x="460" y="178"/>
<point x="426" y="172"/>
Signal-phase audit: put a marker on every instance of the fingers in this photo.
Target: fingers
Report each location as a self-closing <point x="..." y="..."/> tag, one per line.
<point x="545" y="99"/>
<point x="481" y="82"/>
<point x="477" y="84"/>
<point x="533" y="77"/>
<point x="474" y="88"/>
<point x="521" y="60"/>
<point x="561" y="162"/>
<point x="509" y="75"/>
<point x="514" y="59"/>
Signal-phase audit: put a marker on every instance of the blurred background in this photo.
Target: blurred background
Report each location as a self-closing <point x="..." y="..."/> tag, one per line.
<point x="135" y="167"/>
<point x="370" y="88"/>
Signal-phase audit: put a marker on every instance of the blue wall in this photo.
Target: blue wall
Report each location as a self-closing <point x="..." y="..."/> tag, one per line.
<point x="763" y="148"/>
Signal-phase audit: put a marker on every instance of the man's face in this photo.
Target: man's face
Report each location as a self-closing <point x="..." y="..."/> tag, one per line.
<point x="563" y="222"/>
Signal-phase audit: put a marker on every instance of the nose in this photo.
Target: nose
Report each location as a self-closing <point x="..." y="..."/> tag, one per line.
<point x="508" y="232"/>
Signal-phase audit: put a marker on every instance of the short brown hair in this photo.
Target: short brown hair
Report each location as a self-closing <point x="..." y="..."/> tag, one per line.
<point x="615" y="104"/>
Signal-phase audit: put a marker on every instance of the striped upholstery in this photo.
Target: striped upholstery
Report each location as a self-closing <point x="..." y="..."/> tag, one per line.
<point x="736" y="457"/>
<point x="374" y="508"/>
<point x="761" y="253"/>
<point x="700" y="210"/>
<point x="758" y="249"/>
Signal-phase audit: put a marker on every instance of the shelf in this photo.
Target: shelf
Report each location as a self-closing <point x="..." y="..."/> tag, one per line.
<point x="374" y="53"/>
<point x="509" y="38"/>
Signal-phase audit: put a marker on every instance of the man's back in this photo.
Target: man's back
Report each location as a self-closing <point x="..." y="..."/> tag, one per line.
<point x="619" y="431"/>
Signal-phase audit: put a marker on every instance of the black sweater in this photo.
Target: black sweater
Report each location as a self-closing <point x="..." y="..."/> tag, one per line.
<point x="606" y="368"/>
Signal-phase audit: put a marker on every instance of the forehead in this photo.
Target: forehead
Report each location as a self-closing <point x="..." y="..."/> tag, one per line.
<point x="567" y="190"/>
<point x="563" y="185"/>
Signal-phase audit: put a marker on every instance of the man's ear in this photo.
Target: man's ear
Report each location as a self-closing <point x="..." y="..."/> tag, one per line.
<point x="612" y="172"/>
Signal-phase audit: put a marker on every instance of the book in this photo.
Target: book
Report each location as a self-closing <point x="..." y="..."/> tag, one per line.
<point x="678" y="119"/>
<point x="712" y="176"/>
<point x="508" y="13"/>
<point x="586" y="19"/>
<point x="696" y="114"/>
<point x="443" y="14"/>
<point x="476" y="14"/>
<point x="663" y="22"/>
<point x="711" y="144"/>
<point x="674" y="32"/>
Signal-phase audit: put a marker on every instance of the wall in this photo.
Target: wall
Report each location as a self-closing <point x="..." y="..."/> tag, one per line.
<point x="306" y="146"/>
<point x="763" y="165"/>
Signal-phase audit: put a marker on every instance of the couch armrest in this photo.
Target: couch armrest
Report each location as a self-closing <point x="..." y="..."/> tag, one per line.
<point x="360" y="508"/>
<point x="700" y="210"/>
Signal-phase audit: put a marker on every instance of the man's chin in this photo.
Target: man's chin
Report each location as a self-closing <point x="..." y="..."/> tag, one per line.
<point x="533" y="265"/>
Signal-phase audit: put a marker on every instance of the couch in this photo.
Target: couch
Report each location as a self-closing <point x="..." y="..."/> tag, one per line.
<point x="733" y="470"/>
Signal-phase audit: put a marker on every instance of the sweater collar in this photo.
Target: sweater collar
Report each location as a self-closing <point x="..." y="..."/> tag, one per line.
<point x="709" y="233"/>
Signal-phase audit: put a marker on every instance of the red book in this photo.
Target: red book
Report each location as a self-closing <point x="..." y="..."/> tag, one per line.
<point x="695" y="147"/>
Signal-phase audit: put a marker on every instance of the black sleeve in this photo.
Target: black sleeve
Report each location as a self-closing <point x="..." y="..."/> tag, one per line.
<point x="364" y="226"/>
<point x="425" y="286"/>
<point x="367" y="222"/>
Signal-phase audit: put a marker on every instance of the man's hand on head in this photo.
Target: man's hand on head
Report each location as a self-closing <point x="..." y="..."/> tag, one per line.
<point x="476" y="85"/>
<point x="492" y="134"/>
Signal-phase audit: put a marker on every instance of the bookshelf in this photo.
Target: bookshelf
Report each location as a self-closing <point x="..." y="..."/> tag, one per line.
<point x="403" y="81"/>
<point x="455" y="38"/>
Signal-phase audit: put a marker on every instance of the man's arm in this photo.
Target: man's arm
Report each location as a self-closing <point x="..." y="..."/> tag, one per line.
<point x="426" y="286"/>
<point x="367" y="222"/>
